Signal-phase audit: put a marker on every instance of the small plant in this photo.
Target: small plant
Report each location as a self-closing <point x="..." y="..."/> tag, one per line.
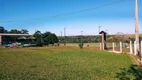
<point x="87" y="45"/>
<point x="58" y="44"/>
<point x="81" y="45"/>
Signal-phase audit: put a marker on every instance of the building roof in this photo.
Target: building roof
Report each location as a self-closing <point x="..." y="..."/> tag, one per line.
<point x="103" y="32"/>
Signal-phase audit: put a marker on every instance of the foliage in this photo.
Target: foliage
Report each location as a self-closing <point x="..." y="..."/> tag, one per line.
<point x="24" y="31"/>
<point x="49" y="38"/>
<point x="132" y="39"/>
<point x="140" y="38"/>
<point x="134" y="72"/>
<point x="38" y="36"/>
<point x="52" y="63"/>
<point x="45" y="38"/>
<point x="1" y="29"/>
<point x="76" y="39"/>
<point x="7" y="39"/>
<point x="15" y="31"/>
<point x="81" y="45"/>
<point x="41" y="39"/>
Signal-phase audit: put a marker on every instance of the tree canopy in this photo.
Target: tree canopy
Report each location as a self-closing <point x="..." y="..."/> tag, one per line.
<point x="1" y="29"/>
<point x="23" y="31"/>
<point x="45" y="38"/>
<point x="7" y="39"/>
<point x="38" y="36"/>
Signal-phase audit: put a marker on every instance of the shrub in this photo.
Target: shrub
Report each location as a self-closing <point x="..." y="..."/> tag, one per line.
<point x="58" y="44"/>
<point x="87" y="45"/>
<point x="134" y="72"/>
<point x="81" y="45"/>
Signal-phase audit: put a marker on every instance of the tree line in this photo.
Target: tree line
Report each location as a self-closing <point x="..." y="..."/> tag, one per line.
<point x="40" y="39"/>
<point x="23" y="31"/>
<point x="80" y="38"/>
<point x="11" y="39"/>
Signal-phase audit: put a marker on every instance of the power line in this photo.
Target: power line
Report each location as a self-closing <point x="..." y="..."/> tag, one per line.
<point x="85" y="10"/>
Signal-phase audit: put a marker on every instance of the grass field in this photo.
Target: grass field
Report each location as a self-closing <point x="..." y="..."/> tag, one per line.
<point x="60" y="63"/>
<point x="85" y="44"/>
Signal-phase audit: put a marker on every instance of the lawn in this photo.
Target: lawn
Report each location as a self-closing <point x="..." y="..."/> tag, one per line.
<point x="85" y="44"/>
<point x="59" y="63"/>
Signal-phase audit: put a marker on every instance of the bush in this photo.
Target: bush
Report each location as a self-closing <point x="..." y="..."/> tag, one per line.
<point x="134" y="72"/>
<point x="58" y="44"/>
<point x="81" y="45"/>
<point x="87" y="45"/>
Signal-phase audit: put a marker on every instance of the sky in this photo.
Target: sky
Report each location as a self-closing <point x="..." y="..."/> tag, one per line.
<point x="49" y="15"/>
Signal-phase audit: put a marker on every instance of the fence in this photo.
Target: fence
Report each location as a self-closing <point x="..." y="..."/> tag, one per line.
<point x="128" y="48"/>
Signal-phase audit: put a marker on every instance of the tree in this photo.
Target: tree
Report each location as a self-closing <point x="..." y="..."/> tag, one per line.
<point x="132" y="39"/>
<point x="38" y="36"/>
<point x="13" y="38"/>
<point x="54" y="38"/>
<point x="49" y="38"/>
<point x="46" y="38"/>
<point x="7" y="39"/>
<point x="2" y="29"/>
<point x="24" y="31"/>
<point x="15" y="31"/>
<point x="140" y="38"/>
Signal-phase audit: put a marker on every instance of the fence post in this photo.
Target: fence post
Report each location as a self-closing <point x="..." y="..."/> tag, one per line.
<point x="131" y="48"/>
<point x="141" y="52"/>
<point x="100" y="46"/>
<point x="0" y="40"/>
<point x="113" y="46"/>
<point x="103" y="46"/>
<point x="121" y="47"/>
<point x="135" y="47"/>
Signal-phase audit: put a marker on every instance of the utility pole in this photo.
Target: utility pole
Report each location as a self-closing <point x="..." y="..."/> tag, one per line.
<point x="61" y="33"/>
<point x="0" y="40"/>
<point x="81" y="33"/>
<point x="81" y="36"/>
<point x="136" y="27"/>
<point x="64" y="31"/>
<point x="99" y="33"/>
<point x="61" y="37"/>
<point x="65" y="36"/>
<point x="99" y="28"/>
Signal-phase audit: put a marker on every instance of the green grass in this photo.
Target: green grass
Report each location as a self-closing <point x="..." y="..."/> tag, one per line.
<point x="85" y="44"/>
<point x="96" y="45"/>
<point x="60" y="64"/>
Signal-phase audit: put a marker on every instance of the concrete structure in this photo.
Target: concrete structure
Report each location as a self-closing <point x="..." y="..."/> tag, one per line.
<point x="8" y="34"/>
<point x="103" y="39"/>
<point x="135" y="48"/>
<point x="121" y="50"/>
<point x="141" y="52"/>
<point x="131" y="47"/>
<point x="113" y="46"/>
<point x="137" y="28"/>
<point x="0" y="40"/>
